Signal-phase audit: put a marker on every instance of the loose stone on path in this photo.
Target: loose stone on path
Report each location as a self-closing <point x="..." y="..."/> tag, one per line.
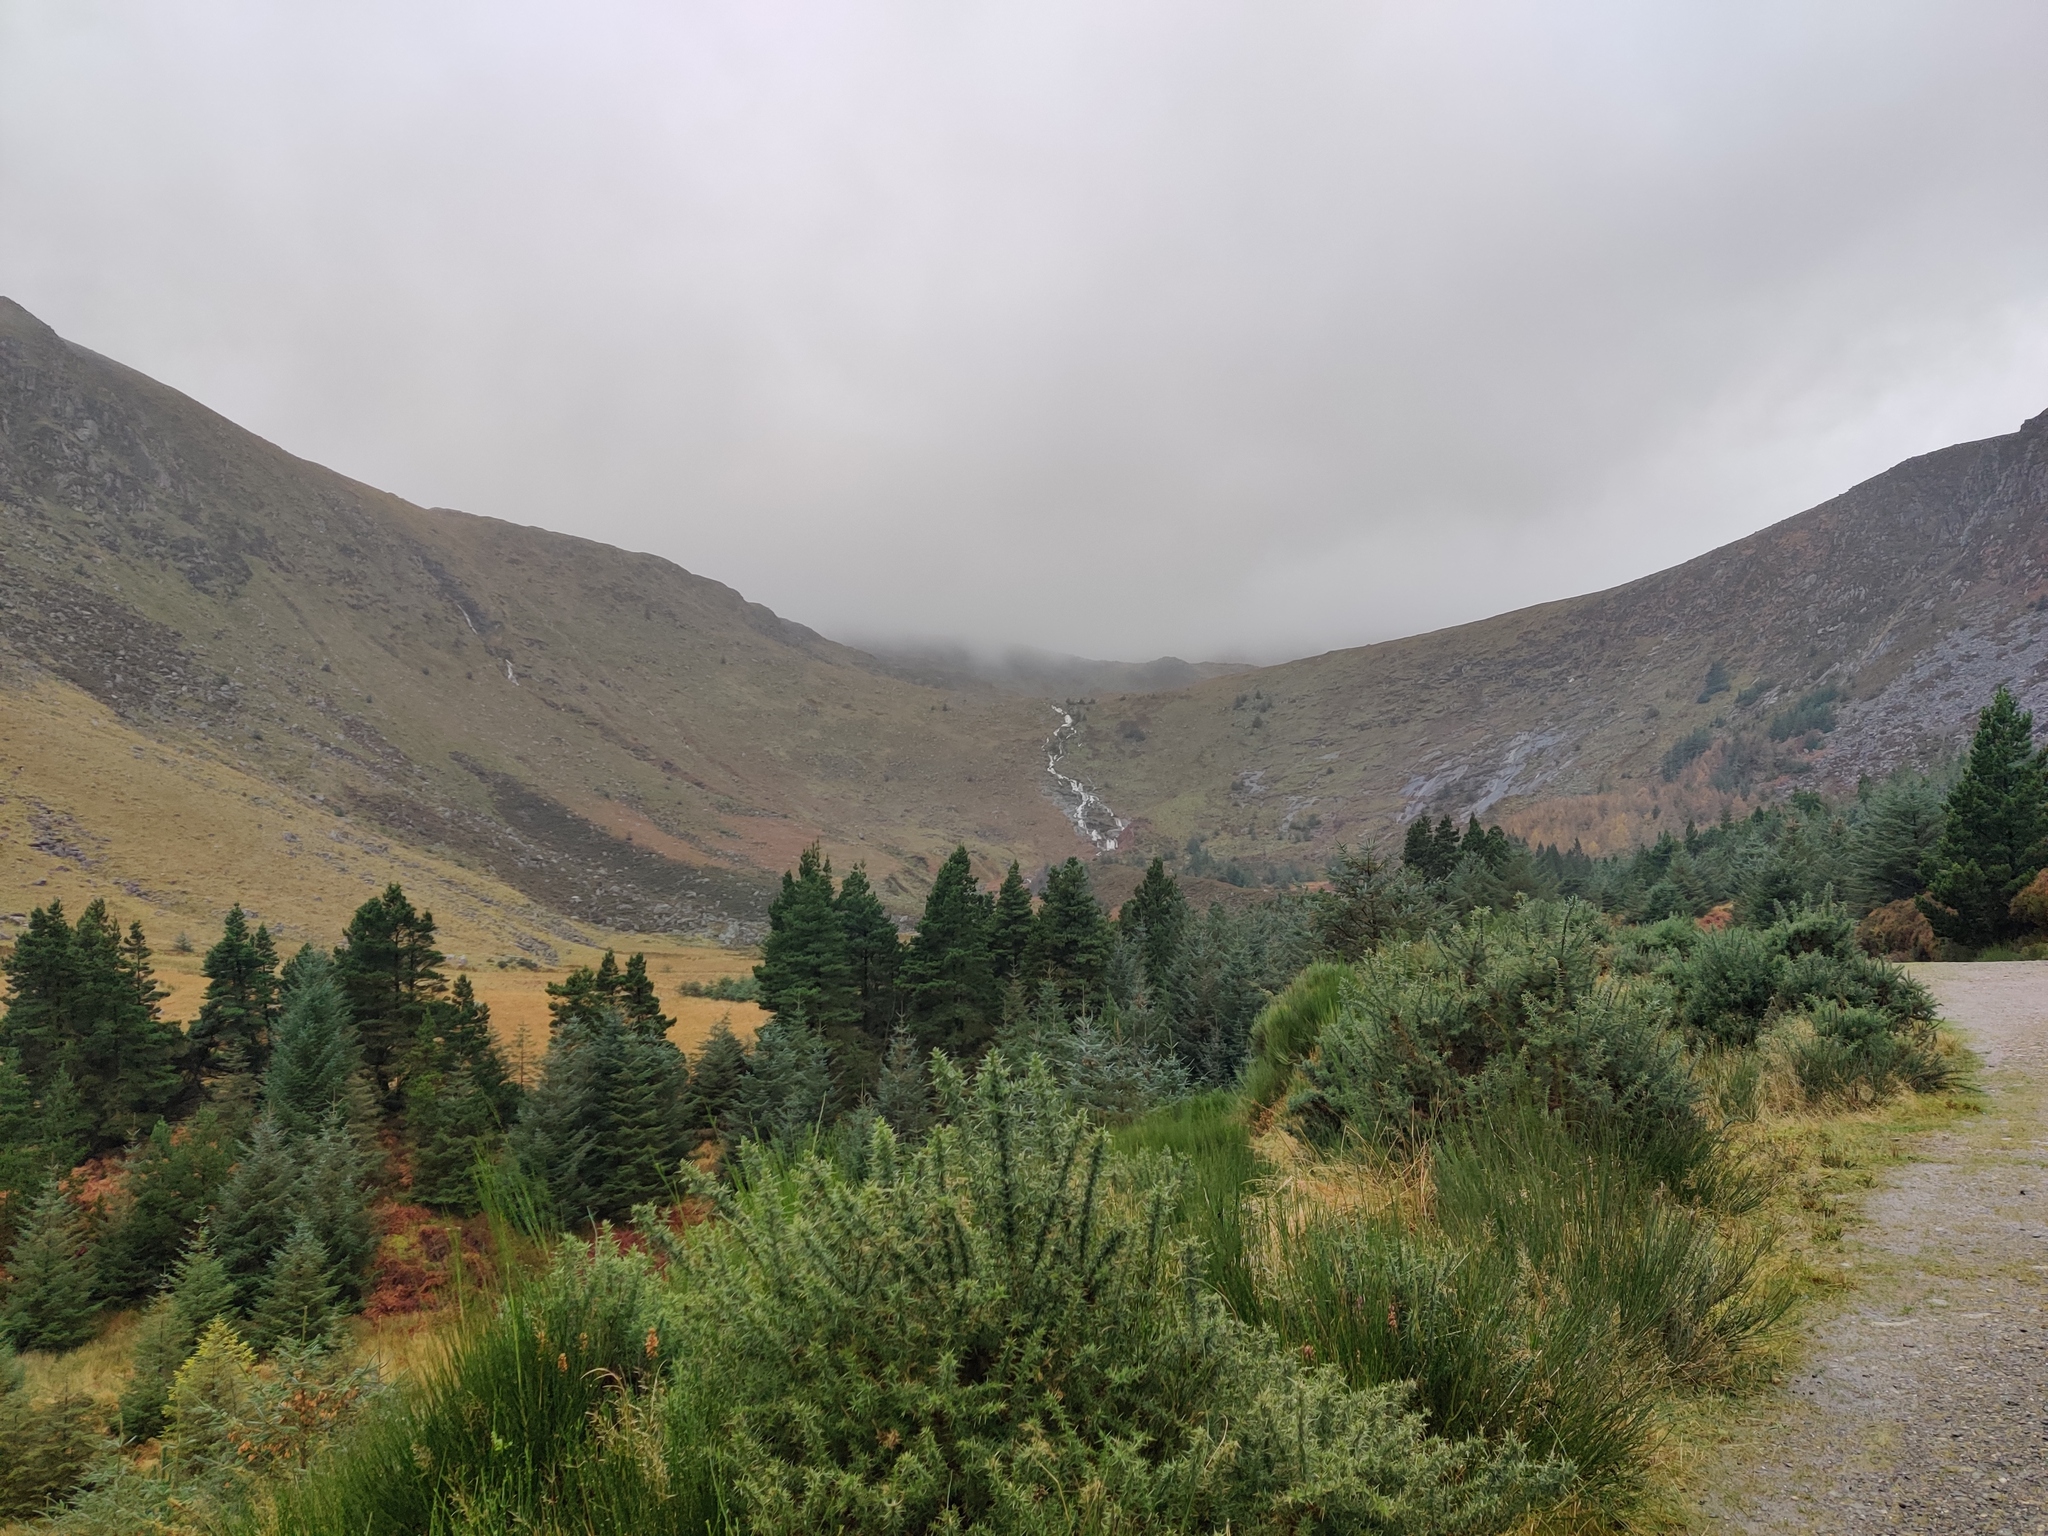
<point x="1924" y="1407"/>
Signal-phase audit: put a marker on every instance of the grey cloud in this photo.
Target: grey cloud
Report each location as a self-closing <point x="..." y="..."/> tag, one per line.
<point x="1204" y="329"/>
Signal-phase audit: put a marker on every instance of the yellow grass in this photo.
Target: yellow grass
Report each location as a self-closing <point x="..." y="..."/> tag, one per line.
<point x="92" y="808"/>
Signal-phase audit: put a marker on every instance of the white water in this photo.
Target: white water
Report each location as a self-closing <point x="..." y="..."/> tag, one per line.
<point x="1092" y="818"/>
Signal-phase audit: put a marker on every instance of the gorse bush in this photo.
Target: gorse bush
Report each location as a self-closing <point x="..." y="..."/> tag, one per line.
<point x="1503" y="1008"/>
<point x="999" y="1331"/>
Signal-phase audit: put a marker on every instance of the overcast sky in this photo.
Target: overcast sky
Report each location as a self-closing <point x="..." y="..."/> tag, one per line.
<point x="1115" y="328"/>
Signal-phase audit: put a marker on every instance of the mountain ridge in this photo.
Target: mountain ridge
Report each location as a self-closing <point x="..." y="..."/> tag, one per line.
<point x="632" y="744"/>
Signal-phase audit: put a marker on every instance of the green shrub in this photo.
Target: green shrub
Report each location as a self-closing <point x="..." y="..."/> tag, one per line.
<point x="1685" y="751"/>
<point x="1503" y="1009"/>
<point x="1814" y="711"/>
<point x="1726" y="986"/>
<point x="45" y="1448"/>
<point x="1865" y="1054"/>
<point x="1000" y="1332"/>
<point x="1289" y="1028"/>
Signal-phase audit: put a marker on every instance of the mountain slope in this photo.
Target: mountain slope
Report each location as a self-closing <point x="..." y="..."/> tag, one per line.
<point x="613" y="736"/>
<point x="1913" y="595"/>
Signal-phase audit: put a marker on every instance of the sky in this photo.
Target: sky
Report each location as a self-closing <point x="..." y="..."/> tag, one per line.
<point x="1112" y="328"/>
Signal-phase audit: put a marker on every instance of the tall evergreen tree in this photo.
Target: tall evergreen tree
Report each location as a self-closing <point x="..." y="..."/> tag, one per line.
<point x="716" y="1077"/>
<point x="1010" y="925"/>
<point x="82" y="1004"/>
<point x="173" y="1178"/>
<point x="389" y="970"/>
<point x="334" y="1197"/>
<point x="298" y="1302"/>
<point x="316" y="1064"/>
<point x="804" y="963"/>
<point x="1159" y="909"/>
<point x="873" y="954"/>
<point x="607" y="1125"/>
<point x="459" y="1093"/>
<point x="1418" y="849"/>
<point x="259" y="1206"/>
<point x="25" y="1161"/>
<point x="199" y="1291"/>
<point x="584" y="994"/>
<point x="241" y="998"/>
<point x="789" y="1080"/>
<point x="948" y="978"/>
<point x="1070" y="942"/>
<point x="1995" y="836"/>
<point x="49" y="1293"/>
<point x="1899" y="827"/>
<point x="1447" y="849"/>
<point x="903" y="1095"/>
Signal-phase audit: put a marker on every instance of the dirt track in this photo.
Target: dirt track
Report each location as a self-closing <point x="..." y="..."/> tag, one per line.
<point x="1923" y="1407"/>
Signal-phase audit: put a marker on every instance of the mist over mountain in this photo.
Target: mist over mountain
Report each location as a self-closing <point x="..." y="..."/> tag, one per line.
<point x="633" y="745"/>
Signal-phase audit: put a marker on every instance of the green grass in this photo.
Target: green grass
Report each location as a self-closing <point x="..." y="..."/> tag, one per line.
<point x="1209" y="1131"/>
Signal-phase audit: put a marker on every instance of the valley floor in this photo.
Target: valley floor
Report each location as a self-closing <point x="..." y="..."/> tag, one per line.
<point x="1923" y="1406"/>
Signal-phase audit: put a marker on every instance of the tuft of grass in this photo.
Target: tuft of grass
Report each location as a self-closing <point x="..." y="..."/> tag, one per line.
<point x="1210" y="1133"/>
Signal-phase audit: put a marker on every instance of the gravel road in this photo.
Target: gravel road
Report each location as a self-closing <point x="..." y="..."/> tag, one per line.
<point x="1924" y="1406"/>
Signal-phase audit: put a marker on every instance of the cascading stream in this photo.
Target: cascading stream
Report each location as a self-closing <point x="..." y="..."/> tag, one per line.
<point x="1091" y="816"/>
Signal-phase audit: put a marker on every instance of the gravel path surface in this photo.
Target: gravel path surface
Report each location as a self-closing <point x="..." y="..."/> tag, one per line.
<point x="1924" y="1407"/>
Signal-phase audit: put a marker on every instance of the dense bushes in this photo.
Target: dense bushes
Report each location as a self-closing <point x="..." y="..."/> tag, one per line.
<point x="1503" y="1008"/>
<point x="997" y="1331"/>
<point x="45" y="1448"/>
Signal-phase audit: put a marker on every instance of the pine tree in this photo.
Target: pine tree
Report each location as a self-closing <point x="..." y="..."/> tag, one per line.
<point x="1010" y="925"/>
<point x="1897" y="830"/>
<point x="903" y="1096"/>
<point x="948" y="979"/>
<point x="1995" y="837"/>
<point x="804" y="963"/>
<point x="584" y="994"/>
<point x="1447" y="851"/>
<point x="1366" y="904"/>
<point x="298" y="1301"/>
<point x="1418" y="848"/>
<point x="315" y="1062"/>
<point x="389" y="970"/>
<point x="1070" y="940"/>
<point x="241" y="998"/>
<point x="650" y="1115"/>
<point x="716" y="1077"/>
<point x="565" y="1121"/>
<point x="49" y="1294"/>
<point x="334" y="1197"/>
<point x="25" y="1162"/>
<point x="199" y="1291"/>
<point x="1161" y="911"/>
<point x="788" y="1081"/>
<point x="305" y="964"/>
<point x="258" y="1208"/>
<point x="173" y="1178"/>
<point x="82" y="1003"/>
<point x="639" y="1004"/>
<point x="873" y="955"/>
<point x="209" y="1401"/>
<point x="460" y="1097"/>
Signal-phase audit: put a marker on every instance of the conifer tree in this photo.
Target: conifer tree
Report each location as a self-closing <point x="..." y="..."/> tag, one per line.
<point x="873" y="955"/>
<point x="607" y="1125"/>
<point x="209" y="1401"/>
<point x="297" y="1305"/>
<point x="49" y="1293"/>
<point x="789" y="1079"/>
<point x="1995" y="837"/>
<point x="1418" y="848"/>
<point x="585" y="993"/>
<point x="305" y="964"/>
<point x="334" y="1198"/>
<point x="241" y="998"/>
<point x="389" y="970"/>
<point x="1070" y="941"/>
<point x="316" y="1063"/>
<point x="259" y="1206"/>
<point x="173" y="1178"/>
<point x="66" y="1128"/>
<point x="1899" y="828"/>
<point x="1010" y="925"/>
<point x="82" y="1004"/>
<point x="25" y="1162"/>
<point x="804" y="964"/>
<point x="1447" y="850"/>
<point x="1159" y="909"/>
<point x="639" y="1004"/>
<point x="460" y="1097"/>
<point x="651" y="1120"/>
<point x="199" y="1291"/>
<point x="948" y="979"/>
<point x="903" y="1096"/>
<point x="715" y="1080"/>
